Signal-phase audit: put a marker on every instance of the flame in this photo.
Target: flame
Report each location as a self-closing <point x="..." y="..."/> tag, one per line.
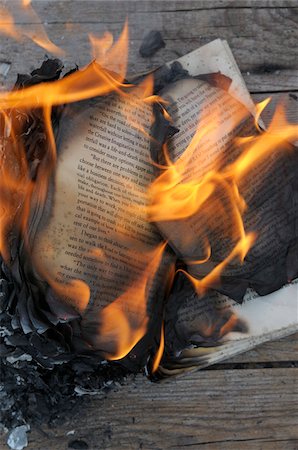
<point x="76" y="292"/>
<point x="203" y="260"/>
<point x="16" y="187"/>
<point x="160" y="350"/>
<point x="278" y="133"/>
<point x="259" y="109"/>
<point x="240" y="250"/>
<point x="229" y="325"/>
<point x="124" y="322"/>
<point x="91" y="82"/>
<point x="7" y="24"/>
<point x="175" y="195"/>
<point x="35" y="32"/>
<point x="178" y="195"/>
<point x="100" y="45"/>
<point x="114" y="57"/>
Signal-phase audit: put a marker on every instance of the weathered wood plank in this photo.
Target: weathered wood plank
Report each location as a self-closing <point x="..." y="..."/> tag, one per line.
<point x="86" y="11"/>
<point x="263" y="40"/>
<point x="231" y="409"/>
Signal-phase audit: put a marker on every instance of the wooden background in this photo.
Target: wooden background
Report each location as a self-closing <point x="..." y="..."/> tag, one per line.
<point x="249" y="402"/>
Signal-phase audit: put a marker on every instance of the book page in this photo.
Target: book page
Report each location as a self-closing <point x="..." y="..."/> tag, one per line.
<point x="94" y="228"/>
<point x="193" y="105"/>
<point x="216" y="56"/>
<point x="215" y="320"/>
<point x="206" y="330"/>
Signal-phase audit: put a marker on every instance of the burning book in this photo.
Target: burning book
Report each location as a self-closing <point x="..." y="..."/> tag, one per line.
<point x="152" y="223"/>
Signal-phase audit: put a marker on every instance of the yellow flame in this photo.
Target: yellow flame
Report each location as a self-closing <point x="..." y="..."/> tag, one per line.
<point x="178" y="195"/>
<point x="90" y="82"/>
<point x="174" y="195"/>
<point x="240" y="250"/>
<point x="124" y="321"/>
<point x="259" y="109"/>
<point x="160" y="350"/>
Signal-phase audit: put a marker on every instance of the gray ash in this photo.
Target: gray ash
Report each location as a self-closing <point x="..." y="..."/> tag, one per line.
<point x="41" y="382"/>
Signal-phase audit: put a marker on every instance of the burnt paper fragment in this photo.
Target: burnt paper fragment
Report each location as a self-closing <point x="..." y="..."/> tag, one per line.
<point x="152" y="42"/>
<point x="41" y="372"/>
<point x="17" y="438"/>
<point x="50" y="70"/>
<point x="199" y="322"/>
<point x="200" y="327"/>
<point x="204" y="329"/>
<point x="167" y="74"/>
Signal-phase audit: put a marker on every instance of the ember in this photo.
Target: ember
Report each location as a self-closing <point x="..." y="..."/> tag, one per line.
<point x="136" y="217"/>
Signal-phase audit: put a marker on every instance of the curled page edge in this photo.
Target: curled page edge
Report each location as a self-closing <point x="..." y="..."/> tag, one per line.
<point x="216" y="56"/>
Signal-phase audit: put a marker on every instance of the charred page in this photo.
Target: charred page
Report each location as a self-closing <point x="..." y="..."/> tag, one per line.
<point x="224" y="198"/>
<point x="228" y="208"/>
<point x="93" y="243"/>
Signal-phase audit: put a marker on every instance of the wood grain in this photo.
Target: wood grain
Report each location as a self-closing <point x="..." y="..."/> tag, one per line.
<point x="225" y="409"/>
<point x="79" y="11"/>
<point x="263" y="38"/>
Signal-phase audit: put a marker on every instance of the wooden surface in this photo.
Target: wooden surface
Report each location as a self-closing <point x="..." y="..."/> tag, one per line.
<point x="222" y="409"/>
<point x="226" y="409"/>
<point x="250" y="401"/>
<point x="261" y="34"/>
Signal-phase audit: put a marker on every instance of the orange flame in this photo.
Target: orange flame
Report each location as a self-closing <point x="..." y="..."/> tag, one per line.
<point x="177" y="194"/>
<point x="76" y="292"/>
<point x="91" y="82"/>
<point x="113" y="57"/>
<point x="278" y="133"/>
<point x="240" y="250"/>
<point x="259" y="109"/>
<point x="160" y="350"/>
<point x="36" y="32"/>
<point x="100" y="45"/>
<point x="124" y="322"/>
<point x="7" y="24"/>
<point x="15" y="184"/>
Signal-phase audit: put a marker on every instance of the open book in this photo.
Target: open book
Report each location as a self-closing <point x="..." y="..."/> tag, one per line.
<point x="94" y="226"/>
